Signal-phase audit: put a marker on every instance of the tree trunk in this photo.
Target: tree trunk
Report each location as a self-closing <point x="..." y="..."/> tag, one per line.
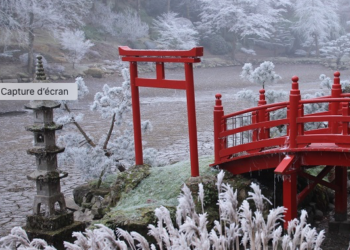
<point x="31" y="44"/>
<point x="233" y="52"/>
<point x="87" y="138"/>
<point x="138" y="7"/>
<point x="109" y="133"/>
<point x="317" y="47"/>
<point x="338" y="62"/>
<point x="188" y="9"/>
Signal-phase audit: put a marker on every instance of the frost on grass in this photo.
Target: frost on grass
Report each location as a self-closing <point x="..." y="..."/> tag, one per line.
<point x="237" y="227"/>
<point x="161" y="186"/>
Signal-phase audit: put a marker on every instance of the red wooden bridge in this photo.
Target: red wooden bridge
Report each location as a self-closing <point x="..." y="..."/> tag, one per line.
<point x="243" y="143"/>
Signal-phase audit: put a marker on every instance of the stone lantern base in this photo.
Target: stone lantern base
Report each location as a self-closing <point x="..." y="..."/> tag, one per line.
<point x="54" y="229"/>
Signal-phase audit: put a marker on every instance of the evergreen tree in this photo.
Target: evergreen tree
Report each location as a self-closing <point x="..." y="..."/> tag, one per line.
<point x="318" y="21"/>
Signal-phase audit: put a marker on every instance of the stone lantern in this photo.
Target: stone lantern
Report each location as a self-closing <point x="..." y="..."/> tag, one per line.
<point x="50" y="220"/>
<point x="49" y="200"/>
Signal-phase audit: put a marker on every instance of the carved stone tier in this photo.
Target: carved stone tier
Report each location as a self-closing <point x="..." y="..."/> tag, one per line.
<point x="49" y="202"/>
<point x="52" y="150"/>
<point x="48" y="192"/>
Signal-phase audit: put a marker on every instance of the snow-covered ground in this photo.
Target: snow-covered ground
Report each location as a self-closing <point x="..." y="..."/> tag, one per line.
<point x="166" y="109"/>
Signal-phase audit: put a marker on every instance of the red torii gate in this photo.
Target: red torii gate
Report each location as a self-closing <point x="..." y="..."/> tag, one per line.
<point x="160" y="57"/>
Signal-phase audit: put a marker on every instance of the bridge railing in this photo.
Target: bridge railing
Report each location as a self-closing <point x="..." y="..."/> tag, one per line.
<point x="248" y="131"/>
<point x="338" y="124"/>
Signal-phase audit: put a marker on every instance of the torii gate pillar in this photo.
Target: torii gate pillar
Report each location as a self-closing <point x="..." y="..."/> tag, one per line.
<point x="188" y="57"/>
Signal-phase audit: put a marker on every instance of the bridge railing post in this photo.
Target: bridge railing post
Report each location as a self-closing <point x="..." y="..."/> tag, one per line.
<point x="294" y="99"/>
<point x="262" y="116"/>
<point x="345" y="112"/>
<point x="219" y="126"/>
<point x="334" y="106"/>
<point x="254" y="121"/>
<point x="301" y="114"/>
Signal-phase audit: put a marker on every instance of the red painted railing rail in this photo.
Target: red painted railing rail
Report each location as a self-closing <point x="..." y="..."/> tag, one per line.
<point x="254" y="131"/>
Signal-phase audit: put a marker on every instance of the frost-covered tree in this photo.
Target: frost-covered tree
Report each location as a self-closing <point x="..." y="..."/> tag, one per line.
<point x="175" y="32"/>
<point x="24" y="18"/>
<point x="241" y="18"/>
<point x="281" y="40"/>
<point x="126" y="25"/>
<point x="344" y="13"/>
<point x="264" y="74"/>
<point x="75" y="43"/>
<point x="103" y="16"/>
<point x="97" y="157"/>
<point x="10" y="29"/>
<point x="336" y="49"/>
<point x="129" y="26"/>
<point x="318" y="21"/>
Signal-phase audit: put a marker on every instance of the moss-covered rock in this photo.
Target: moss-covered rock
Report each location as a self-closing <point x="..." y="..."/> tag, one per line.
<point x="99" y="197"/>
<point x="135" y="209"/>
<point x="126" y="182"/>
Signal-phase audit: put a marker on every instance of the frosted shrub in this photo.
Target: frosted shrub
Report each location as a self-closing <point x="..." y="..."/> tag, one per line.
<point x="248" y="95"/>
<point x="237" y="226"/>
<point x="264" y="74"/>
<point x="326" y="82"/>
<point x="18" y="239"/>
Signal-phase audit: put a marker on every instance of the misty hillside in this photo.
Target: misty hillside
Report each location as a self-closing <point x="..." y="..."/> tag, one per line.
<point x="76" y="35"/>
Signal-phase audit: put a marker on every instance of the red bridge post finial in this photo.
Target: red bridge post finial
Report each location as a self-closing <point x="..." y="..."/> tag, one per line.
<point x="218" y="102"/>
<point x="262" y="100"/>
<point x="219" y="126"/>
